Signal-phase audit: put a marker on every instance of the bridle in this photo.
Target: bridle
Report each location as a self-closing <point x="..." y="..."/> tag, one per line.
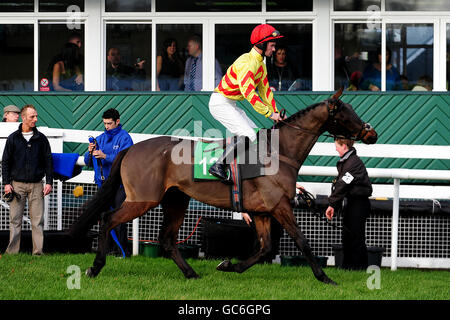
<point x="333" y="107"/>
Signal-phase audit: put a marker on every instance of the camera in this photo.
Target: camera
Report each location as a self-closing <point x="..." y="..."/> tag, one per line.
<point x="8" y="197"/>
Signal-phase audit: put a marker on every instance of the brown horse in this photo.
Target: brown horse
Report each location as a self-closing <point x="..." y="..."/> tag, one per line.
<point x="150" y="177"/>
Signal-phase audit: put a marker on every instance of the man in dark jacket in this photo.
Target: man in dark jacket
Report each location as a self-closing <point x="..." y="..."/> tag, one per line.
<point x="120" y="77"/>
<point x="27" y="158"/>
<point x="352" y="183"/>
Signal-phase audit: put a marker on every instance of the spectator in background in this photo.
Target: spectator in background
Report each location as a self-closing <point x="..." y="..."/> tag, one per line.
<point x="169" y="67"/>
<point x="353" y="184"/>
<point x="64" y="70"/>
<point x="425" y="83"/>
<point x="75" y="38"/>
<point x="372" y="74"/>
<point x="404" y="82"/>
<point x="280" y="74"/>
<point x="105" y="149"/>
<point x="355" y="80"/>
<point x="27" y="148"/>
<point x="120" y="77"/>
<point x="11" y="113"/>
<point x="193" y="68"/>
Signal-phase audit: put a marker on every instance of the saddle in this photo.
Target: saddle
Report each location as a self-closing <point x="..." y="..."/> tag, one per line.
<point x="246" y="165"/>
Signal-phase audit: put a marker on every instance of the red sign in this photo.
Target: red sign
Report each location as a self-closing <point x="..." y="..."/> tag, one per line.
<point x="44" y="85"/>
<point x="44" y="82"/>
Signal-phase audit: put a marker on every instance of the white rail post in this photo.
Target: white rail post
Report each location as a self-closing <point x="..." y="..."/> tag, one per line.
<point x="136" y="237"/>
<point x="395" y="218"/>
<point x="59" y="201"/>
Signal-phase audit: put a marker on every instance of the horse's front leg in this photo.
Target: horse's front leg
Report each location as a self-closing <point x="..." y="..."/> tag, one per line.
<point x="284" y="214"/>
<point x="262" y="224"/>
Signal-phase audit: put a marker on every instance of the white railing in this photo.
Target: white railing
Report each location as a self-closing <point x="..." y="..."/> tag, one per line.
<point x="58" y="136"/>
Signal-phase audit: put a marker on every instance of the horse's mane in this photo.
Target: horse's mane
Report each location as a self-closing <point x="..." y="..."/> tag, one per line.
<point x="298" y="114"/>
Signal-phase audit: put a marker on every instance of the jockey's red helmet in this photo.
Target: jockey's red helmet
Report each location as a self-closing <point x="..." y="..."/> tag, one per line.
<point x="264" y="33"/>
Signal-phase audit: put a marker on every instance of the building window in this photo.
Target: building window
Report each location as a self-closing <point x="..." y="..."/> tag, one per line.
<point x="61" y="57"/>
<point x="61" y="6"/>
<point x="128" y="5"/>
<point x="128" y="57"/>
<point x="355" y="49"/>
<point x="179" y="57"/>
<point x="355" y="5"/>
<point x="409" y="57"/>
<point x="289" y="5"/>
<point x="22" y="6"/>
<point x="290" y="68"/>
<point x="208" y="6"/>
<point x="16" y="54"/>
<point x="231" y="41"/>
<point x="402" y="5"/>
<point x="448" y="56"/>
<point x="411" y="47"/>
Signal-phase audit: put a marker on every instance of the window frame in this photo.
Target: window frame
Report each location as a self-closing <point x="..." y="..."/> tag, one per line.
<point x="394" y="17"/>
<point x="323" y="18"/>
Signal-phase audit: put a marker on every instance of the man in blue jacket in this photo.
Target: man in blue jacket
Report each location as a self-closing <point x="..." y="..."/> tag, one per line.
<point x="101" y="154"/>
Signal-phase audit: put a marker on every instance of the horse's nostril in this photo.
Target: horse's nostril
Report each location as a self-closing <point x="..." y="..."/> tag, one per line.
<point x="372" y="139"/>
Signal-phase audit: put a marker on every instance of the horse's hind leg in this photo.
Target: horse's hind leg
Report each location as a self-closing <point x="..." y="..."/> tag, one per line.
<point x="127" y="212"/>
<point x="174" y="205"/>
<point x="262" y="224"/>
<point x="283" y="213"/>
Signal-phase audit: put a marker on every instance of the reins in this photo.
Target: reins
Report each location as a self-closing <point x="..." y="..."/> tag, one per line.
<point x="310" y="201"/>
<point x="332" y="107"/>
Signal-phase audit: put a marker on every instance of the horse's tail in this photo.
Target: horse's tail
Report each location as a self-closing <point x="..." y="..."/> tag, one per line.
<point x="102" y="201"/>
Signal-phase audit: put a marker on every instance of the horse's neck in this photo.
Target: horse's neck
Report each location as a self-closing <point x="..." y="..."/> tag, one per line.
<point x="296" y="144"/>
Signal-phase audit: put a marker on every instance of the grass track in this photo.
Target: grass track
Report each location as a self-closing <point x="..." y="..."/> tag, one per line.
<point x="25" y="277"/>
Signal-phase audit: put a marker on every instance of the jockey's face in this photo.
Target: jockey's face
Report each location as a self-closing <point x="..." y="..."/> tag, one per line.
<point x="270" y="49"/>
<point x="111" y="124"/>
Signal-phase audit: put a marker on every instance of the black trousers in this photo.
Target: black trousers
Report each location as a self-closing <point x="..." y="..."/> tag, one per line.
<point x="354" y="239"/>
<point x="121" y="229"/>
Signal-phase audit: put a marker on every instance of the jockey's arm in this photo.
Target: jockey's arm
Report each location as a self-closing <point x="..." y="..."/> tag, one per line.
<point x="247" y="86"/>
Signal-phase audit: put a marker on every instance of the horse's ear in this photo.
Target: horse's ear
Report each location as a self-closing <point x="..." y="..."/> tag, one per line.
<point x="338" y="93"/>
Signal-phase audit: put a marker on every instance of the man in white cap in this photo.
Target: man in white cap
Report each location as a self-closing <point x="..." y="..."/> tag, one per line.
<point x="11" y="113"/>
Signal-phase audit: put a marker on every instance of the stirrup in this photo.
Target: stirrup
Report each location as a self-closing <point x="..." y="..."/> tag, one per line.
<point x="215" y="171"/>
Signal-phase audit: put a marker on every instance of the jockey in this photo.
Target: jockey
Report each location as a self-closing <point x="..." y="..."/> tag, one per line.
<point x="242" y="78"/>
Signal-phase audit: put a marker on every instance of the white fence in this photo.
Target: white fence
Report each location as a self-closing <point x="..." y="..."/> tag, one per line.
<point x="429" y="248"/>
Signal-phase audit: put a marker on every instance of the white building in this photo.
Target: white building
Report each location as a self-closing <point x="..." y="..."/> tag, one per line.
<point x="328" y="42"/>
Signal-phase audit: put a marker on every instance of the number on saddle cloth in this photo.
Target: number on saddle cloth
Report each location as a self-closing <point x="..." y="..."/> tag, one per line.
<point x="206" y="154"/>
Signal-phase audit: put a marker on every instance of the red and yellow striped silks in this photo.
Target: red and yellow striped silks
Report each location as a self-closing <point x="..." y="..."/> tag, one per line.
<point x="246" y="74"/>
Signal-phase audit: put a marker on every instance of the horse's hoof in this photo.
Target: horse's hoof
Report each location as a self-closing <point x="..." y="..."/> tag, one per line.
<point x="90" y="273"/>
<point x="192" y="276"/>
<point x="329" y="281"/>
<point x="225" y="265"/>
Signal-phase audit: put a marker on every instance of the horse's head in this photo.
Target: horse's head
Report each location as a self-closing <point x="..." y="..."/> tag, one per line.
<point x="344" y="122"/>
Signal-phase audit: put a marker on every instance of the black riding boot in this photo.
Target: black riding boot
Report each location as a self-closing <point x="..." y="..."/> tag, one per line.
<point x="219" y="169"/>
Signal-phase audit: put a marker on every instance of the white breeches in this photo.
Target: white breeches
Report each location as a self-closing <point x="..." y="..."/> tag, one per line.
<point x="231" y="116"/>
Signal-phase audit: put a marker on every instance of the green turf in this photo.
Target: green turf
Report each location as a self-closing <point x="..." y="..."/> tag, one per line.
<point x="23" y="276"/>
